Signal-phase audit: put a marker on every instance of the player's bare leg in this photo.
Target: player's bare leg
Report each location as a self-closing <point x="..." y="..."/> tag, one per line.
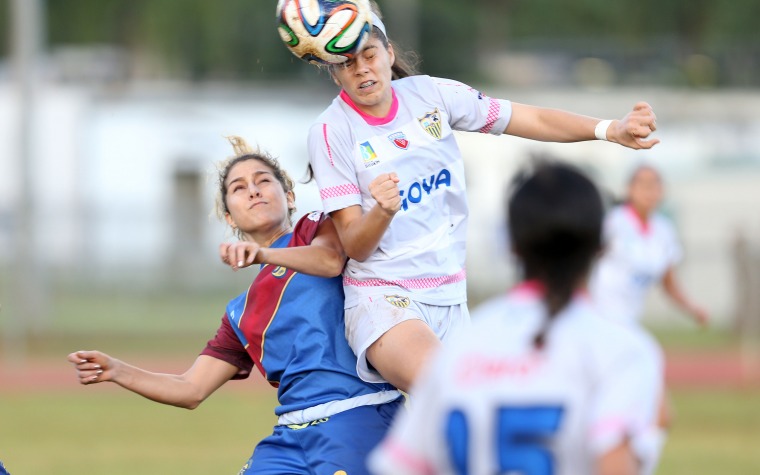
<point x="401" y="353"/>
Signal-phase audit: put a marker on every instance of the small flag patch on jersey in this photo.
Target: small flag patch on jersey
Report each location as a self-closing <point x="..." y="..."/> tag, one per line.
<point x="399" y="140"/>
<point x="368" y="154"/>
<point x="398" y="300"/>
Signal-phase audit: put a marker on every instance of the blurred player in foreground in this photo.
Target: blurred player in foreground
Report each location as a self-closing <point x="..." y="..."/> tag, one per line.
<point x="391" y="175"/>
<point x="288" y="324"/>
<point x="541" y="384"/>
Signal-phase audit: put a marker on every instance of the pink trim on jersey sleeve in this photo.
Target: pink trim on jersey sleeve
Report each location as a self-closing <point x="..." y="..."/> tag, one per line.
<point x="372" y="120"/>
<point x="400" y="454"/>
<point x="411" y="284"/>
<point x="494" y="108"/>
<point x="340" y="190"/>
<point x="610" y="431"/>
<point x="327" y="144"/>
<point x="613" y="425"/>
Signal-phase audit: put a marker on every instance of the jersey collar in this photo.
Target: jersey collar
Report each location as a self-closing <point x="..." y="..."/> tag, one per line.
<point x="535" y="290"/>
<point x="528" y="289"/>
<point x="282" y="241"/>
<point x="642" y="224"/>
<point x="371" y="120"/>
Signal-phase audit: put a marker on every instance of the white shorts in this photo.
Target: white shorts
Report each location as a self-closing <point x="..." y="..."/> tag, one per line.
<point x="368" y="321"/>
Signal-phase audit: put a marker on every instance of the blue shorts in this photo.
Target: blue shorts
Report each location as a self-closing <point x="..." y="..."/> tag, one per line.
<point x="3" y="471"/>
<point x="337" y="445"/>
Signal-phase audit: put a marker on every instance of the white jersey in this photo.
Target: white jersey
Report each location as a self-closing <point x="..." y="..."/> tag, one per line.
<point x="637" y="255"/>
<point x="490" y="403"/>
<point x="423" y="250"/>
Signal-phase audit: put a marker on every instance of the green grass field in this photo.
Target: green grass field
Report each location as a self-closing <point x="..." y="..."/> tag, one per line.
<point x="110" y="432"/>
<point x="113" y="432"/>
<point x="715" y="432"/>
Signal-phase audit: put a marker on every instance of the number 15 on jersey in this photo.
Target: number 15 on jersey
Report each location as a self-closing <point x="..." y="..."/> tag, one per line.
<point x="522" y="437"/>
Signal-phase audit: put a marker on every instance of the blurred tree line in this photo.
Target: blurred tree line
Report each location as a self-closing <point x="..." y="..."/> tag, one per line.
<point x="677" y="42"/>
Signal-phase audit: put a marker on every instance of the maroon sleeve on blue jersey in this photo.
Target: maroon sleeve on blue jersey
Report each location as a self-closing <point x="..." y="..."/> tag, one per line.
<point x="306" y="228"/>
<point x="226" y="346"/>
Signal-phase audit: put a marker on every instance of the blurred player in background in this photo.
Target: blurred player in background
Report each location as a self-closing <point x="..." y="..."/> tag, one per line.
<point x="288" y="324"/>
<point x="641" y="250"/>
<point x="541" y="383"/>
<point x="392" y="178"/>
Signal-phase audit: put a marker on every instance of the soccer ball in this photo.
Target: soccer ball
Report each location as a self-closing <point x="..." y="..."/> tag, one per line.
<point x="324" y="31"/>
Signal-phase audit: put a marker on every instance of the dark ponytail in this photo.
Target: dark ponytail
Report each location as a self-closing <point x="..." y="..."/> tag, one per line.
<point x="406" y="62"/>
<point x="555" y="224"/>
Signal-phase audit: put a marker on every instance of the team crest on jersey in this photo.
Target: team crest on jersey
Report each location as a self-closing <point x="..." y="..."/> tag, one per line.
<point x="368" y="154"/>
<point x="279" y="271"/>
<point x="399" y="140"/>
<point x="314" y="216"/>
<point x="431" y="123"/>
<point x="398" y="300"/>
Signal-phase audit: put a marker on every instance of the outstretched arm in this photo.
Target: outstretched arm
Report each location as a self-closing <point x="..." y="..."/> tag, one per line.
<point x="185" y="390"/>
<point x="554" y="125"/>
<point x="673" y="290"/>
<point x="324" y="257"/>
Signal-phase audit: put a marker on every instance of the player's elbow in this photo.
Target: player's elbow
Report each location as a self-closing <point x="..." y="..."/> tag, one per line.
<point x="359" y="253"/>
<point x="331" y="272"/>
<point x="358" y="248"/>
<point x="192" y="398"/>
<point x="334" y="265"/>
<point x="191" y="403"/>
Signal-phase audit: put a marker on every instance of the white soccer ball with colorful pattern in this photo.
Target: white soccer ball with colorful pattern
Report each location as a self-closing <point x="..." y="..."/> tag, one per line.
<point x="324" y="31"/>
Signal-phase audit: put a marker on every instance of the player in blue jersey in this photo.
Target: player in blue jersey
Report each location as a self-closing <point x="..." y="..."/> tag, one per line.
<point x="288" y="324"/>
<point x="391" y="175"/>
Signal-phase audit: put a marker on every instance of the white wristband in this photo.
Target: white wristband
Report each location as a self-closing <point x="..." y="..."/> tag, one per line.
<point x="601" y="129"/>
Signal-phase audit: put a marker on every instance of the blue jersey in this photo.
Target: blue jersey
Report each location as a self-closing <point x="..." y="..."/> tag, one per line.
<point x="291" y="327"/>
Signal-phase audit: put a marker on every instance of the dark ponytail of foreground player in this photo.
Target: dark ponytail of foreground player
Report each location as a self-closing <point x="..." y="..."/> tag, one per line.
<point x="555" y="225"/>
